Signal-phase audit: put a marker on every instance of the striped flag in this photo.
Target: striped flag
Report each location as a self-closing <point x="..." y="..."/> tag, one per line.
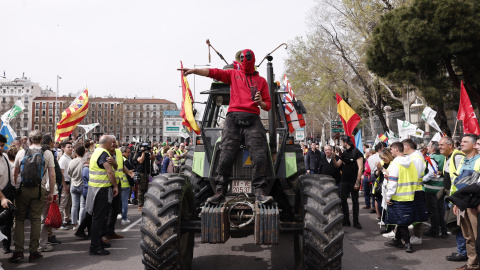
<point x="349" y="117"/>
<point x="72" y="116"/>
<point x="187" y="106"/>
<point x="383" y="138"/>
<point x="294" y="119"/>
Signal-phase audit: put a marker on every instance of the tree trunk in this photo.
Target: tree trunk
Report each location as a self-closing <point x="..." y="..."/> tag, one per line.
<point x="442" y="119"/>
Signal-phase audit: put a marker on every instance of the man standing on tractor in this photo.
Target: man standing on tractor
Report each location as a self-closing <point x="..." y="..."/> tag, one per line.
<point x="248" y="91"/>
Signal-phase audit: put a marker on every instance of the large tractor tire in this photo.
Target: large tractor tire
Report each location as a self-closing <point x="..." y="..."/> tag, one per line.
<point x="320" y="244"/>
<point x="201" y="186"/>
<point x="168" y="202"/>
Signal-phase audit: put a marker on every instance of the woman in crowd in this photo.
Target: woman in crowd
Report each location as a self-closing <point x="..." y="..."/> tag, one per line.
<point x="86" y="219"/>
<point x="381" y="185"/>
<point x="167" y="166"/>
<point x="75" y="171"/>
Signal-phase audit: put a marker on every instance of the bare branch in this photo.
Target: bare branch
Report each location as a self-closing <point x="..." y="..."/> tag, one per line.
<point x="390" y="91"/>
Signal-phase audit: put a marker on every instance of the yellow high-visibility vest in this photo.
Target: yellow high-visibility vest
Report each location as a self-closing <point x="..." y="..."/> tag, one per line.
<point x="124" y="182"/>
<point x="119" y="170"/>
<point x="407" y="183"/>
<point x="98" y="177"/>
<point x="476" y="167"/>
<point x="420" y="180"/>
<point x="452" y="170"/>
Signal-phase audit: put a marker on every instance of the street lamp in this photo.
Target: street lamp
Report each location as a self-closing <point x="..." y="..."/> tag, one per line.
<point x="195" y="66"/>
<point x="56" y="104"/>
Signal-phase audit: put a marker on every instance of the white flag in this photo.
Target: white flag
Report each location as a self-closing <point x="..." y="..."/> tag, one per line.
<point x="392" y="137"/>
<point x="134" y="140"/>
<point x="428" y="115"/>
<point x="377" y="140"/>
<point x="405" y="128"/>
<point x="419" y="133"/>
<point x="436" y="137"/>
<point x="183" y="133"/>
<point x="10" y="114"/>
<point x="88" y="128"/>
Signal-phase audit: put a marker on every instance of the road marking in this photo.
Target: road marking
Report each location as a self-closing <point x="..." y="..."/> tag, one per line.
<point x="131" y="225"/>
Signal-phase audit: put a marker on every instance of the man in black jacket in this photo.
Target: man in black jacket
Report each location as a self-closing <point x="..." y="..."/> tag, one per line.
<point x="312" y="163"/>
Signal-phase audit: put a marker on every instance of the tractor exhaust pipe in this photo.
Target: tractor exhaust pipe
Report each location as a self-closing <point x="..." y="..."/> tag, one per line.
<point x="272" y="113"/>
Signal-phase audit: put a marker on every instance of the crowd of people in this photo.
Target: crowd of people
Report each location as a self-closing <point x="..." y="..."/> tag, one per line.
<point x="92" y="182"/>
<point x="406" y="184"/>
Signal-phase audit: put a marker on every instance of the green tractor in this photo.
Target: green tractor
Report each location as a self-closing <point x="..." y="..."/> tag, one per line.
<point x="306" y="206"/>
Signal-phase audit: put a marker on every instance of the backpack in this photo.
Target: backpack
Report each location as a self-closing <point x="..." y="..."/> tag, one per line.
<point x="32" y="168"/>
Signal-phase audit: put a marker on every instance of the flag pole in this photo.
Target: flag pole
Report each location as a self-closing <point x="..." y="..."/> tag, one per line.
<point x="455" y="130"/>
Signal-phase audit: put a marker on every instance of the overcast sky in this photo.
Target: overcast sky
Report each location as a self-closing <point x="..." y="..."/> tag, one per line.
<point x="128" y="48"/>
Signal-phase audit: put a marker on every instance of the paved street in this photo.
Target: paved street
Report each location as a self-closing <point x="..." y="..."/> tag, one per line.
<point x="363" y="249"/>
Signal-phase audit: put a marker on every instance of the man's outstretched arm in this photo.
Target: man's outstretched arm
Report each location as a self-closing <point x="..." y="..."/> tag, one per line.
<point x="197" y="71"/>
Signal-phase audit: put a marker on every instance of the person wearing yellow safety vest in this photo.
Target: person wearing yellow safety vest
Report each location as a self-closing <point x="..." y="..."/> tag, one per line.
<point x="402" y="183"/>
<point x="126" y="183"/>
<point x="434" y="195"/>
<point x="468" y="218"/>
<point x="102" y="187"/>
<point x="410" y="149"/>
<point x="453" y="158"/>
<point x="116" y="205"/>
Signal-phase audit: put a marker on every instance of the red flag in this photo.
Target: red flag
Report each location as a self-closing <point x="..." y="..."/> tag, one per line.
<point x="467" y="114"/>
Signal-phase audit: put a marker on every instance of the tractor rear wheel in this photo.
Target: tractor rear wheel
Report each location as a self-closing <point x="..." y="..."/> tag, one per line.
<point x="320" y="244"/>
<point x="168" y="202"/>
<point x="201" y="186"/>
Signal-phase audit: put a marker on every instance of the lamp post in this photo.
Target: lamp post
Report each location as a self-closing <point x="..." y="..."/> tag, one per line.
<point x="56" y="105"/>
<point x="195" y="66"/>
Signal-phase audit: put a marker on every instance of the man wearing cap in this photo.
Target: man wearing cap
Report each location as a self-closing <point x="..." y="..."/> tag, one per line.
<point x="248" y="92"/>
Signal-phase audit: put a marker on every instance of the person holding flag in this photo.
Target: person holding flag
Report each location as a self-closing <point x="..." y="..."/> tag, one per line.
<point x="248" y="92"/>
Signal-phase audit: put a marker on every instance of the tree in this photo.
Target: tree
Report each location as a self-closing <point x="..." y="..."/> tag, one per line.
<point x="421" y="43"/>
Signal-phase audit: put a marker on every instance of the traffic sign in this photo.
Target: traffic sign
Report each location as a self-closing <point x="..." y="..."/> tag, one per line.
<point x="299" y="135"/>
<point x="339" y="130"/>
<point x="336" y="123"/>
<point x="172" y="126"/>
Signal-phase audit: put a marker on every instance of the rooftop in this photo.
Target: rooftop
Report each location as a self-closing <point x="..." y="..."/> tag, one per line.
<point x="147" y="101"/>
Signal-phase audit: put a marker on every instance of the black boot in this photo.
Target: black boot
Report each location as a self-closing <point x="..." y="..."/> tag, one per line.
<point x="261" y="197"/>
<point x="219" y="195"/>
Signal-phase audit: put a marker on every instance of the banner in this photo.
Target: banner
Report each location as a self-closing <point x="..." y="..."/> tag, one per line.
<point x="88" y="128"/>
<point x="183" y="133"/>
<point x="428" y="115"/>
<point x="10" y="114"/>
<point x="7" y="131"/>
<point x="419" y="133"/>
<point x="436" y="137"/>
<point x="405" y="129"/>
<point x="392" y="137"/>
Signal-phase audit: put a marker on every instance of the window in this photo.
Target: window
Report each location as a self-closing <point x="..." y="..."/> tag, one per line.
<point x="25" y="116"/>
<point x="43" y="112"/>
<point x="50" y="105"/>
<point x="134" y="131"/>
<point x="99" y="114"/>
<point x="154" y="138"/>
<point x="36" y="113"/>
<point x="25" y="124"/>
<point x="112" y="106"/>
<point x="50" y="121"/>
<point x="128" y="108"/>
<point x="93" y="106"/>
<point x="154" y="131"/>
<point x="134" y="121"/>
<point x="50" y="112"/>
<point x="36" y="119"/>
<point x="36" y="127"/>
<point x="43" y="105"/>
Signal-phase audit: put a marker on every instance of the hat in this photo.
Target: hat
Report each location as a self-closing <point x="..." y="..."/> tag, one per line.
<point x="164" y="144"/>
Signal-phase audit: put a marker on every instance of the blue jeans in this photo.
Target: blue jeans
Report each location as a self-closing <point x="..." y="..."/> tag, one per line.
<point x="125" y="196"/>
<point x="461" y="244"/>
<point x="83" y="200"/>
<point x="367" y="193"/>
<point x="76" y="193"/>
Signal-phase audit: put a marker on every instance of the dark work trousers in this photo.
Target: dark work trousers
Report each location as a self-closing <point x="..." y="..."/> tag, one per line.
<point x="142" y="188"/>
<point x="256" y="143"/>
<point x="436" y="209"/>
<point x="100" y="212"/>
<point x="367" y="192"/>
<point x="346" y="189"/>
<point x="402" y="233"/>
<point x="113" y="212"/>
<point x="6" y="229"/>
<point x="85" y="224"/>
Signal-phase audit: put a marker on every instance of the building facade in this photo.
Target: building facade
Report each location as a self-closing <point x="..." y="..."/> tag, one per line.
<point x="123" y="118"/>
<point x="24" y="90"/>
<point x="143" y="119"/>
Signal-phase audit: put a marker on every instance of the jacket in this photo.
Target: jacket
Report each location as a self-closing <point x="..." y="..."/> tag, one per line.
<point x="313" y="160"/>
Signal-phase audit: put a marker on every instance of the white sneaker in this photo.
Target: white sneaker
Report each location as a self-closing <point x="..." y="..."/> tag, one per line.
<point x="125" y="222"/>
<point x="410" y="226"/>
<point x="389" y="235"/>
<point x="64" y="228"/>
<point x="415" y="240"/>
<point x="46" y="248"/>
<point x="119" y="216"/>
<point x="381" y="223"/>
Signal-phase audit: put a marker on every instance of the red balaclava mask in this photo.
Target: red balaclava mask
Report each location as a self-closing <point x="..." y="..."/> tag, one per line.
<point x="247" y="59"/>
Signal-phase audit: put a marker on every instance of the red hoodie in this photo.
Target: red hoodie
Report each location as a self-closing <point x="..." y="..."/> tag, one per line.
<point x="240" y="82"/>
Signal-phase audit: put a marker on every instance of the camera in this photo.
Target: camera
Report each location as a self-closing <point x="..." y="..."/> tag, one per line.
<point x="7" y="213"/>
<point x="253" y="91"/>
<point x="145" y="146"/>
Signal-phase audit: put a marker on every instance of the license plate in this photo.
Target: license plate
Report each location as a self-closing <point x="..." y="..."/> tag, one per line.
<point x="241" y="186"/>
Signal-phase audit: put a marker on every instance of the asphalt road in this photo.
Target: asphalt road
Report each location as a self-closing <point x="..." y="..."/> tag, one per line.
<point x="363" y="249"/>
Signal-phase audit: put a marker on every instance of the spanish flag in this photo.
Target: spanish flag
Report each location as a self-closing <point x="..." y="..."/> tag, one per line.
<point x="187" y="106"/>
<point x="349" y="117"/>
<point x="72" y="116"/>
<point x="383" y="138"/>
